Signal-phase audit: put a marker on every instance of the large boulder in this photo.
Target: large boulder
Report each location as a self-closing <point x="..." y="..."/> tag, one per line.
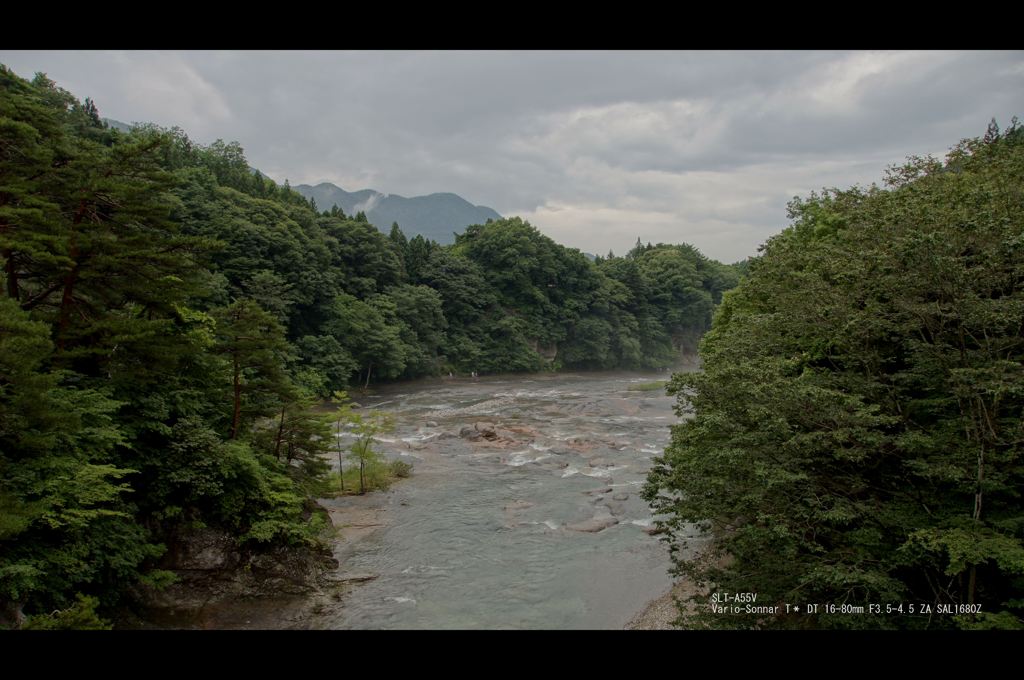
<point x="486" y="430"/>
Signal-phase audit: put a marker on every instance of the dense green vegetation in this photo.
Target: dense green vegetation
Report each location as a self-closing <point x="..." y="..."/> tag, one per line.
<point x="359" y="306"/>
<point x="857" y="434"/>
<point x="135" y="396"/>
<point x="653" y="386"/>
<point x="169" y="318"/>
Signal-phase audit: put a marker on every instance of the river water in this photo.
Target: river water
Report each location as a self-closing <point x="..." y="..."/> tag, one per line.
<point x="538" y="526"/>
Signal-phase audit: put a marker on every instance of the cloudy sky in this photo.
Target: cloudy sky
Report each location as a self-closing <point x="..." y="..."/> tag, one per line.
<point x="593" y="148"/>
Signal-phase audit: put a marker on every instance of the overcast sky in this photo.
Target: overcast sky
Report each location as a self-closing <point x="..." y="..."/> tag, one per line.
<point x="593" y="148"/>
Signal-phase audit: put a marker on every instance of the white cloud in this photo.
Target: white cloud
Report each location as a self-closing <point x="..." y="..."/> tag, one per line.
<point x="837" y="86"/>
<point x="164" y="88"/>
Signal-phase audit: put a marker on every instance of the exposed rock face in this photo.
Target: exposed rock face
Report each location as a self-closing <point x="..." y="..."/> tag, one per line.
<point x="203" y="550"/>
<point x="11" y="615"/>
<point x="547" y="352"/>
<point x="211" y="567"/>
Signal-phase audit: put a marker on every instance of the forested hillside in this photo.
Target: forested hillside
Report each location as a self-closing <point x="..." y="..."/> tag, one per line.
<point x="857" y="434"/>
<point x="169" y="318"/>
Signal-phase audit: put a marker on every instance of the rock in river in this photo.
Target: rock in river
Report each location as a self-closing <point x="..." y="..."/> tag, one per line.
<point x="603" y="489"/>
<point x="593" y="525"/>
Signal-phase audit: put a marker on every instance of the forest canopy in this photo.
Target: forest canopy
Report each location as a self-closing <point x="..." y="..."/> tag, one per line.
<point x="856" y="436"/>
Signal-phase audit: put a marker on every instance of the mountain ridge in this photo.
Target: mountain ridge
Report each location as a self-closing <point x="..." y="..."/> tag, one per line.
<point x="436" y="216"/>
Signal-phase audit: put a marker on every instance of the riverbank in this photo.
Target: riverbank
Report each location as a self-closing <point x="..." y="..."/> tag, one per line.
<point x="523" y="512"/>
<point x="660" y="613"/>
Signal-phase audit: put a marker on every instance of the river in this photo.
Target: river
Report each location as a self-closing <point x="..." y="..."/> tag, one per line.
<point x="536" y="524"/>
<point x="500" y="532"/>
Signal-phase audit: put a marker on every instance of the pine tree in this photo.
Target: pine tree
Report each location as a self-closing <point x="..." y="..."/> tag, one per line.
<point x="254" y="345"/>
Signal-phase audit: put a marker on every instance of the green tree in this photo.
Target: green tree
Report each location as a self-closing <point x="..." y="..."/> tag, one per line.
<point x="64" y="522"/>
<point x="856" y="430"/>
<point x="365" y="428"/>
<point x="301" y="438"/>
<point x="360" y="327"/>
<point x="253" y="343"/>
<point x="331" y="361"/>
<point x="418" y="313"/>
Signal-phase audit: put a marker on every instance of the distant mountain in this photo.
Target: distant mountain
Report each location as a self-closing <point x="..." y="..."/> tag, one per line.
<point x="117" y="125"/>
<point x="437" y="216"/>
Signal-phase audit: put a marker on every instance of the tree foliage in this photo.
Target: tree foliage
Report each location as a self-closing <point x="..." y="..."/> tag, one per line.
<point x="131" y="384"/>
<point x="857" y="435"/>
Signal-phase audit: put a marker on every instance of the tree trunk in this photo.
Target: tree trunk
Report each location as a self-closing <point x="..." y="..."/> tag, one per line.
<point x="369" y="369"/>
<point x="362" y="467"/>
<point x="280" y="430"/>
<point x="341" y="469"/>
